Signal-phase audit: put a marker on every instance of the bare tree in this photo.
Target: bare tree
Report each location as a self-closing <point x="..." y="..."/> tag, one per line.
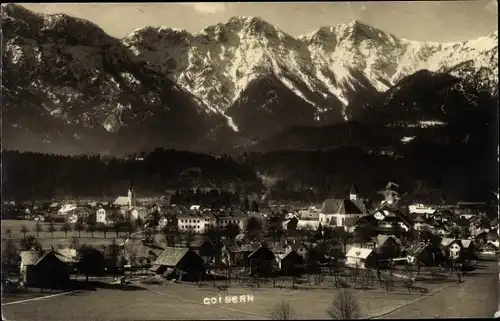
<point x="91" y="228"/>
<point x="8" y="232"/>
<point x="389" y="281"/>
<point x="38" y="228"/>
<point x="344" y="307"/>
<point x="355" y="273"/>
<point x="78" y="228"/>
<point x="75" y="242"/>
<point x="24" y="230"/>
<point x="283" y="311"/>
<point x="65" y="228"/>
<point x="51" y="228"/>
<point x="189" y="236"/>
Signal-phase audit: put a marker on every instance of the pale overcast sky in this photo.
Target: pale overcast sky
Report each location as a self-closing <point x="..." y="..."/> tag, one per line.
<point x="415" y="20"/>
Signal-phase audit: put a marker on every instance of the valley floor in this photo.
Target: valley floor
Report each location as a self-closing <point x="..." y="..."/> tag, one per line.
<point x="476" y="297"/>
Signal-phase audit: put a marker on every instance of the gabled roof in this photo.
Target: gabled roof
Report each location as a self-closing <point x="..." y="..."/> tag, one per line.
<point x="354" y="190"/>
<point x="340" y="206"/>
<point x="142" y="250"/>
<point x="287" y="252"/>
<point x="66" y="255"/>
<point x="258" y="249"/>
<point x="29" y="257"/>
<point x="242" y="248"/>
<point x="121" y="201"/>
<point x="44" y="255"/>
<point x="447" y="241"/>
<point x="416" y="249"/>
<point x="359" y="253"/>
<point x="381" y="239"/>
<point x="466" y="243"/>
<point x="171" y="256"/>
<point x="389" y="212"/>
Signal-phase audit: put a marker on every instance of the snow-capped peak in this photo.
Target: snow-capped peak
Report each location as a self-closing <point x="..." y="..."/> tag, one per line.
<point x="217" y="63"/>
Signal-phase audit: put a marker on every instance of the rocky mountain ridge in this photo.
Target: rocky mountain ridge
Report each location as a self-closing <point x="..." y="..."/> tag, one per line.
<point x="68" y="86"/>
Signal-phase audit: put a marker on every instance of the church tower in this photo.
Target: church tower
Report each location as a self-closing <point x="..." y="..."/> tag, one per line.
<point x="353" y="194"/>
<point x="131" y="197"/>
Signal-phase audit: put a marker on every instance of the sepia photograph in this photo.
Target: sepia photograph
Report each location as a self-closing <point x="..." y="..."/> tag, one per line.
<point x="250" y="160"/>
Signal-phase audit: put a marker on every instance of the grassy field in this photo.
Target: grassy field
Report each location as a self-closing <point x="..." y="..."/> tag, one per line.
<point x="185" y="301"/>
<point x="59" y="238"/>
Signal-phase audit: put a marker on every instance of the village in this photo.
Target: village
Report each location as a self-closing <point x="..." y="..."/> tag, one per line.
<point x="239" y="254"/>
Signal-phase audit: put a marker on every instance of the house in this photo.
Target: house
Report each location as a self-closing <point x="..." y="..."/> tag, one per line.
<point x="237" y="255"/>
<point x="289" y="262"/>
<point x="179" y="263"/>
<point x="234" y="217"/>
<point x="419" y="222"/>
<point x="361" y="257"/>
<point x="304" y="224"/>
<point x="140" y="253"/>
<point x="101" y="215"/>
<point x="197" y="222"/>
<point x="386" y="246"/>
<point x="82" y="213"/>
<point x="43" y="269"/>
<point x="205" y="249"/>
<point x="388" y="218"/>
<point x="138" y="212"/>
<point x="300" y="248"/>
<point x="452" y="247"/>
<point x="468" y="247"/>
<point x="336" y="211"/>
<point x="67" y="255"/>
<point x="487" y="252"/>
<point x="420" y="253"/>
<point x="262" y="261"/>
<point x="66" y="208"/>
<point x="421" y="209"/>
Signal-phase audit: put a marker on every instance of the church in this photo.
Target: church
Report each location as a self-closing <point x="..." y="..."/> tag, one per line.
<point x="343" y="212"/>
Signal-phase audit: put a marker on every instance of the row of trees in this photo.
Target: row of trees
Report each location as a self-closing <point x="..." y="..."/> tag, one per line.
<point x="78" y="227"/>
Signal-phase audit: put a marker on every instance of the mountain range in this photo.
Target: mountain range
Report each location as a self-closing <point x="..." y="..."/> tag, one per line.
<point x="68" y="87"/>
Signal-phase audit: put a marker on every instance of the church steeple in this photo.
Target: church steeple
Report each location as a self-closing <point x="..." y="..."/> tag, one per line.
<point x="131" y="196"/>
<point x="353" y="193"/>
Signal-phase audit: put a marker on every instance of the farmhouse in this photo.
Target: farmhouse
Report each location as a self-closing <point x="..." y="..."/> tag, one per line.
<point x="237" y="255"/>
<point x="180" y="263"/>
<point x="45" y="269"/>
<point x="289" y="262"/>
<point x="452" y="247"/>
<point x="204" y="248"/>
<point x="420" y="253"/>
<point x="361" y="257"/>
<point x="141" y="254"/>
<point x="386" y="246"/>
<point x="389" y="218"/>
<point x="261" y="261"/>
